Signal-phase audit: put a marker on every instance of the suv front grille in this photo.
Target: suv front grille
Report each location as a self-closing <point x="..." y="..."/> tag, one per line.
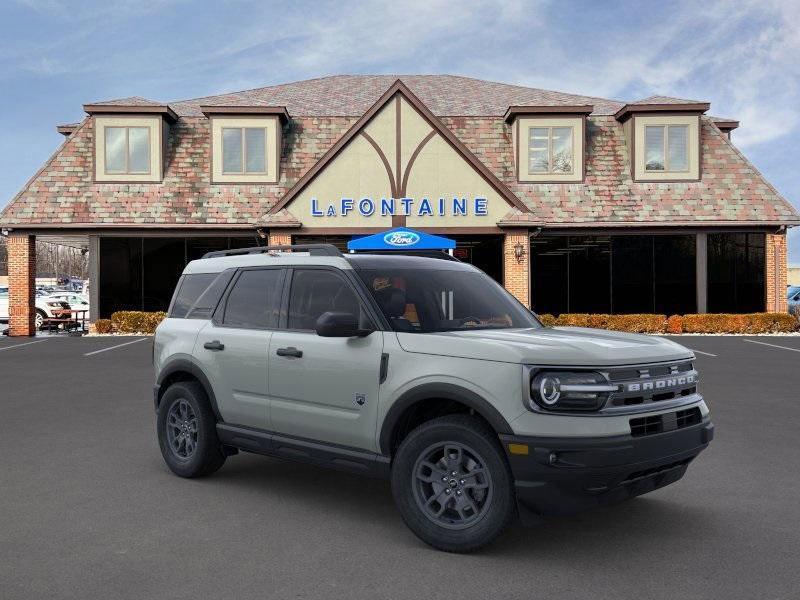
<point x="653" y="424"/>
<point x="652" y="383"/>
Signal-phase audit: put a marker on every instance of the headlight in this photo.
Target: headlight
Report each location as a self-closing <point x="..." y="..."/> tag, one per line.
<point x="58" y="304"/>
<point x="570" y="390"/>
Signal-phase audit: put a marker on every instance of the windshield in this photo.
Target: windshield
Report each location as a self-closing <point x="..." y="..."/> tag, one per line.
<point x="425" y="301"/>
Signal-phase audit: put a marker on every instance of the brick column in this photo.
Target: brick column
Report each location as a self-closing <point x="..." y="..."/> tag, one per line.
<point x="775" y="273"/>
<point x="280" y="237"/>
<point x="21" y="284"/>
<point x="516" y="273"/>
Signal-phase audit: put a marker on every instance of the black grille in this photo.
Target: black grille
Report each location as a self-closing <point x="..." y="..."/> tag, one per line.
<point x="647" y="425"/>
<point x="636" y="475"/>
<point x="667" y="422"/>
<point x="688" y="417"/>
<point x="654" y="383"/>
<point x="632" y="373"/>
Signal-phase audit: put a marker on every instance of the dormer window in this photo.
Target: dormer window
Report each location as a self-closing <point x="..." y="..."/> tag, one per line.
<point x="548" y="142"/>
<point x="666" y="148"/>
<point x="663" y="138"/>
<point x="244" y="150"/>
<point x="127" y="150"/>
<point x="129" y="140"/>
<point x="550" y="150"/>
<point x="245" y="143"/>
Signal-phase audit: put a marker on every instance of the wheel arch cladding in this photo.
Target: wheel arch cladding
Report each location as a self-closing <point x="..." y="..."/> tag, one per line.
<point x="431" y="392"/>
<point x="184" y="370"/>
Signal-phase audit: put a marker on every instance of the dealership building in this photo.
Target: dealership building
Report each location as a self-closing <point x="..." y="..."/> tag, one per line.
<point x="573" y="203"/>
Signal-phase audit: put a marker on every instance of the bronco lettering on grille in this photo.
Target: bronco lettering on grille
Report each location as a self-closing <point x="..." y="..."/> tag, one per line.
<point x="660" y="384"/>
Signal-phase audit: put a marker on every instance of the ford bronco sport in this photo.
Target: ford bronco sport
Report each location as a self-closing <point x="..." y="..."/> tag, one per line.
<point x="423" y="370"/>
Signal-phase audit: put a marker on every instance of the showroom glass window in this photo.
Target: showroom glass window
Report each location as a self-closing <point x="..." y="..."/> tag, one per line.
<point x="666" y="148"/>
<point x="127" y="150"/>
<point x="614" y="274"/>
<point x="141" y="273"/>
<point x="736" y="272"/>
<point x="244" y="150"/>
<point x="550" y="150"/>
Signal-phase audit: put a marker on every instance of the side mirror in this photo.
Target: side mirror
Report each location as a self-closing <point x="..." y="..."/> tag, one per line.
<point x="339" y="324"/>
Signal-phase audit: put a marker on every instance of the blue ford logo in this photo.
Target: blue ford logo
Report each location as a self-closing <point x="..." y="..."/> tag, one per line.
<point x="401" y="238"/>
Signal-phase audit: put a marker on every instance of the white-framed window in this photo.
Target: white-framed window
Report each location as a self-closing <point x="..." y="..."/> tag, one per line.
<point x="550" y="150"/>
<point x="666" y="148"/>
<point x="244" y="150"/>
<point x="127" y="150"/>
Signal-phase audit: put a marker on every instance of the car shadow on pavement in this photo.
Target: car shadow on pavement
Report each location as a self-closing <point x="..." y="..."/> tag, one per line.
<point x="644" y="524"/>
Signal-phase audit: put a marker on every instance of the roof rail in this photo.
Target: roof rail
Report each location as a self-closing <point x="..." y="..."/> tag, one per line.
<point x="312" y="249"/>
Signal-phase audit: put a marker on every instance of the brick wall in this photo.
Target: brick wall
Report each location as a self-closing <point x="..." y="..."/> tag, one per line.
<point x="21" y="284"/>
<point x="516" y="274"/>
<point x="776" y="273"/>
<point x="279" y="237"/>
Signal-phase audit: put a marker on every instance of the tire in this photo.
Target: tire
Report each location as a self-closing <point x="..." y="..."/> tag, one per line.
<point x="39" y="318"/>
<point x="479" y="505"/>
<point x="187" y="432"/>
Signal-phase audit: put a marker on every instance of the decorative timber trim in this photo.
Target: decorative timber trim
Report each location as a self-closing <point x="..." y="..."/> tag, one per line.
<point x="398" y="182"/>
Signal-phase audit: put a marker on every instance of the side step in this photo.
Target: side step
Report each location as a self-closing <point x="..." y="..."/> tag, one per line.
<point x="341" y="458"/>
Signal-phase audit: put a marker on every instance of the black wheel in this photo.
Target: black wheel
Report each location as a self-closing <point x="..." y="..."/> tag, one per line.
<point x="187" y="432"/>
<point x="39" y="318"/>
<point x="452" y="484"/>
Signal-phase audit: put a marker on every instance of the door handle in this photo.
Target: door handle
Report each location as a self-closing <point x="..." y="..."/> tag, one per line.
<point x="290" y="351"/>
<point x="215" y="345"/>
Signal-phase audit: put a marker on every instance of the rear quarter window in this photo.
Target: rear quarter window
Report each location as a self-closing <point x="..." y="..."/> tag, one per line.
<point x="190" y="288"/>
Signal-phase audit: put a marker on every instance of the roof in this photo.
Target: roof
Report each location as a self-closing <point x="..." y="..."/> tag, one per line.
<point x="352" y="95"/>
<point x="665" y="100"/>
<point x="63" y="194"/>
<point x="724" y="123"/>
<point x="130" y="101"/>
<point x="66" y="129"/>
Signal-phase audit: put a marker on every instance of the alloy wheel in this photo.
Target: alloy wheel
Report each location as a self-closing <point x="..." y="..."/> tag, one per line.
<point x="452" y="485"/>
<point x="182" y="429"/>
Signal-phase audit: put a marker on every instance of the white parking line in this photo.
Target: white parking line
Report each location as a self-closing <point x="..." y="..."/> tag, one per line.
<point x="772" y="345"/>
<point x="115" y="347"/>
<point x="20" y="345"/>
<point x="701" y="352"/>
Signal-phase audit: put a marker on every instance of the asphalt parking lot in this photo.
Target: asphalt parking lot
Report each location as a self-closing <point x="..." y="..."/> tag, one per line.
<point x="89" y="510"/>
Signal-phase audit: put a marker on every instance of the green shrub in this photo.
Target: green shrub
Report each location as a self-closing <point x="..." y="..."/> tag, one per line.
<point x="136" y="321"/>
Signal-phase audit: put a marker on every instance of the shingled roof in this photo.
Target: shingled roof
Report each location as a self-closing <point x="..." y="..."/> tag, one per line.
<point x="731" y="191"/>
<point x="352" y="95"/>
<point x="130" y="101"/>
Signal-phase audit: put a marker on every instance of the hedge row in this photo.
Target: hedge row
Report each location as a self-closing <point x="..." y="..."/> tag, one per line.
<point x="135" y="321"/>
<point x="707" y="323"/>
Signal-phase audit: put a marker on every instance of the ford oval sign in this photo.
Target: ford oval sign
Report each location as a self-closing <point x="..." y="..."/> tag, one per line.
<point x="401" y="239"/>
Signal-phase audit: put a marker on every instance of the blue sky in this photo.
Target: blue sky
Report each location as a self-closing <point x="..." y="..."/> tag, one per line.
<point x="56" y="55"/>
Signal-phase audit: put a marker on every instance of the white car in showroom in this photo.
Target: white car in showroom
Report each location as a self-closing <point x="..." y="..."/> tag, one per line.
<point x="47" y="307"/>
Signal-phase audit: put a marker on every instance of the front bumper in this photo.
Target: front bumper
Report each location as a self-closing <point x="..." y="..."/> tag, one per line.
<point x="560" y="476"/>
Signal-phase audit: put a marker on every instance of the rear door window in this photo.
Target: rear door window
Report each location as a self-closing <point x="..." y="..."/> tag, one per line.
<point x="254" y="300"/>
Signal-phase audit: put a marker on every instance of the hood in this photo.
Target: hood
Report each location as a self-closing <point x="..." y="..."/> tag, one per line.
<point x="562" y="346"/>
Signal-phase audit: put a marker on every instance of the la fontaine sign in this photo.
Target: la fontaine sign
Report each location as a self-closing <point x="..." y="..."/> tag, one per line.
<point x="389" y="207"/>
